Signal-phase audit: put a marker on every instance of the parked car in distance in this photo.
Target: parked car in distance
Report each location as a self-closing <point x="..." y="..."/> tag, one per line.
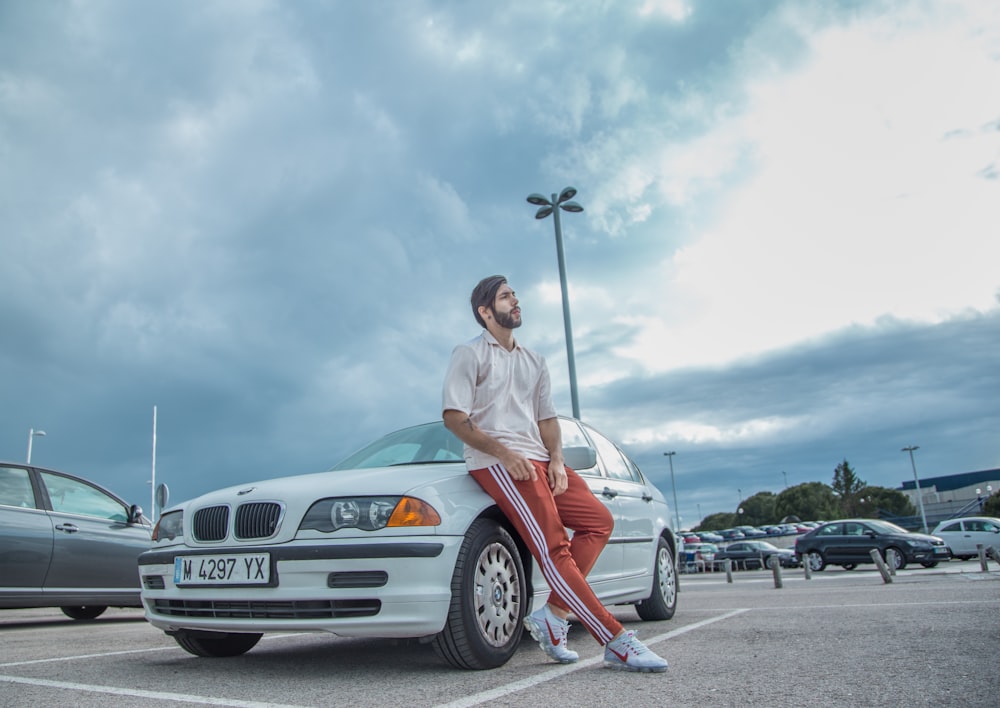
<point x="757" y="554"/>
<point x="398" y="540"/>
<point x="709" y="537"/>
<point x="699" y="557"/>
<point x="963" y="534"/>
<point x="849" y="542"/>
<point x="66" y="542"/>
<point x="750" y="531"/>
<point x="731" y="534"/>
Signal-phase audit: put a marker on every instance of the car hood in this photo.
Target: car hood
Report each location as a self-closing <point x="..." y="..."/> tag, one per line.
<point x="300" y="491"/>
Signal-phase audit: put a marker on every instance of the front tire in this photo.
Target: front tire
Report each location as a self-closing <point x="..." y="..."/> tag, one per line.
<point x="215" y="644"/>
<point x="85" y="612"/>
<point x="815" y="560"/>
<point x="488" y="600"/>
<point x="662" y="603"/>
<point x="898" y="558"/>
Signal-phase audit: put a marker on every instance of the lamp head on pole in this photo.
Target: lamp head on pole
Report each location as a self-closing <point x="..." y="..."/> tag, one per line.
<point x="566" y="194"/>
<point x="538" y="199"/>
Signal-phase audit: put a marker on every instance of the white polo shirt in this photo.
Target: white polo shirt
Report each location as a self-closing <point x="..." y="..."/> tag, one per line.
<point x="505" y="393"/>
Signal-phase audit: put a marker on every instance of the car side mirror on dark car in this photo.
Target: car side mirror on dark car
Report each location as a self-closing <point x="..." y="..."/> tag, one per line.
<point x="579" y="457"/>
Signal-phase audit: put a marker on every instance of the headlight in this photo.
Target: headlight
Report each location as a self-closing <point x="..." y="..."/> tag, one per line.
<point x="368" y="513"/>
<point x="169" y="527"/>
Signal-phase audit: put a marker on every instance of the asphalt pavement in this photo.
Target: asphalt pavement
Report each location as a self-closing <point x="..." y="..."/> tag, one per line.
<point x="842" y="638"/>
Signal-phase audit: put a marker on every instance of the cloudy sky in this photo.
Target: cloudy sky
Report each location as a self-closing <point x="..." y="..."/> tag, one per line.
<point x="265" y="218"/>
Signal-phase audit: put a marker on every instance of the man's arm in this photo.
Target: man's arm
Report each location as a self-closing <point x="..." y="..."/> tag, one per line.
<point x="461" y="425"/>
<point x="552" y="439"/>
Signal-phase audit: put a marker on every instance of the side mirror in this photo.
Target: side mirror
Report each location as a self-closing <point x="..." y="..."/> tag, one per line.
<point x="134" y="514"/>
<point x="580" y="457"/>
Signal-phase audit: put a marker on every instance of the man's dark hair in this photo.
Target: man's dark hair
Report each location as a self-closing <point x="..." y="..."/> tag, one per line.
<point x="484" y="294"/>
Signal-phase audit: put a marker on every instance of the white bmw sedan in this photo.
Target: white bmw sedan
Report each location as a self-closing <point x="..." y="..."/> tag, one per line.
<point x="395" y="541"/>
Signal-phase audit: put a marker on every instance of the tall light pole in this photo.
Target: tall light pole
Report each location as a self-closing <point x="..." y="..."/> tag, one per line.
<point x="677" y="517"/>
<point x="920" y="497"/>
<point x="785" y="475"/>
<point x="546" y="207"/>
<point x="31" y="436"/>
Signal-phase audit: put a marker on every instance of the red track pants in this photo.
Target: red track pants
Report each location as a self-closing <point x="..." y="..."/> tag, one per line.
<point x="542" y="519"/>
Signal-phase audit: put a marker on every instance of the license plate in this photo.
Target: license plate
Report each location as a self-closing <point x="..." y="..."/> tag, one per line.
<point x="938" y="549"/>
<point x="237" y="569"/>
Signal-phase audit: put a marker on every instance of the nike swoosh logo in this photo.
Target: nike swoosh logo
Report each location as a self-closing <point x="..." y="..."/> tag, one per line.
<point x="552" y="636"/>
<point x="623" y="657"/>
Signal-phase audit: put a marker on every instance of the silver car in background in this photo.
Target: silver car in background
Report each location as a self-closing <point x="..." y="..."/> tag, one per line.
<point x="66" y="542"/>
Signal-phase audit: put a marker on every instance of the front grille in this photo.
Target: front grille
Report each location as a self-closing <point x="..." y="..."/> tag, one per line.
<point x="210" y="523"/>
<point x="257" y="520"/>
<point x="357" y="579"/>
<point x="153" y="582"/>
<point x="265" y="609"/>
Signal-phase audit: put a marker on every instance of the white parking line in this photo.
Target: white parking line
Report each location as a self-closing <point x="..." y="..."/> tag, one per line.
<point x="137" y="693"/>
<point x="563" y="669"/>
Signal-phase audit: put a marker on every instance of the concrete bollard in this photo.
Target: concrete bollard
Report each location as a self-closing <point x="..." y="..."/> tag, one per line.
<point x="994" y="554"/>
<point x="981" y="551"/>
<point x="776" y="570"/>
<point x="729" y="570"/>
<point x="805" y="567"/>
<point x="890" y="560"/>
<point x="881" y="564"/>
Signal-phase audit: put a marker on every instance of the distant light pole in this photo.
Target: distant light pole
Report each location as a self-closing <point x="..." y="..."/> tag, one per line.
<point x="31" y="436"/>
<point x="546" y="207"/>
<point x="785" y="475"/>
<point x="670" y="456"/>
<point x="920" y="497"/>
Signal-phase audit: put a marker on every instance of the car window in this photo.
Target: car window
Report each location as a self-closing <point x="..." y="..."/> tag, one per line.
<point x="854" y="530"/>
<point x="15" y="488"/>
<point x="975" y="525"/>
<point x="614" y="462"/>
<point x="953" y="527"/>
<point x="831" y="530"/>
<point x="991" y="527"/>
<point x="71" y="496"/>
<point x="573" y="436"/>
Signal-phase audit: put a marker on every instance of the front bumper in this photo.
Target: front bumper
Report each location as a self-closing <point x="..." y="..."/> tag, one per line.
<point x="394" y="588"/>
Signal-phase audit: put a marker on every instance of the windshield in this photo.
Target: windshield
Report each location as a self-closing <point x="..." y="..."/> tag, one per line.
<point x="421" y="444"/>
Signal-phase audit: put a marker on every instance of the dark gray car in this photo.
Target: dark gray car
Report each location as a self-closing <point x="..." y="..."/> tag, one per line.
<point x="849" y="542"/>
<point x="66" y="542"/>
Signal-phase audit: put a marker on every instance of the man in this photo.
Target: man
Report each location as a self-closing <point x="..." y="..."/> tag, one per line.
<point x="497" y="400"/>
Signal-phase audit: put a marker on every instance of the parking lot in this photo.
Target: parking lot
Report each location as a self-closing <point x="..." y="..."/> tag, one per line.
<point x="932" y="637"/>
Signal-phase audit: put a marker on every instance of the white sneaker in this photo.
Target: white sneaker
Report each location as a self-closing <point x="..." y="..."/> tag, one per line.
<point x="550" y="633"/>
<point x="627" y="653"/>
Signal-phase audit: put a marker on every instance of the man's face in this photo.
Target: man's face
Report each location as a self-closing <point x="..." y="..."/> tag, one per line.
<point x="505" y="308"/>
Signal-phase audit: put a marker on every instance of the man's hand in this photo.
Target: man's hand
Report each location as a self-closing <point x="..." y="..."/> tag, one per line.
<point x="557" y="478"/>
<point x="519" y="466"/>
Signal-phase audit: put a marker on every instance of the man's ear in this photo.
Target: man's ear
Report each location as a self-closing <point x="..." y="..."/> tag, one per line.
<point x="485" y="312"/>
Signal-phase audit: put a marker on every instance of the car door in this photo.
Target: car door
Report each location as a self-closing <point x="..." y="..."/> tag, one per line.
<point x="635" y="531"/>
<point x="857" y="543"/>
<point x="832" y="542"/>
<point x="609" y="564"/>
<point x="976" y="531"/>
<point x="959" y="541"/>
<point x="94" y="546"/>
<point x="25" y="535"/>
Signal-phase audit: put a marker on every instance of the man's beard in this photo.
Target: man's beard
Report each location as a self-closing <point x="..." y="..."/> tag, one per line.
<point x="506" y="319"/>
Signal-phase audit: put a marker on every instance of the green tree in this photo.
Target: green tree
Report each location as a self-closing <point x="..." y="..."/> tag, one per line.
<point x="992" y="505"/>
<point x="848" y="487"/>
<point x="810" y="501"/>
<point x="873" y="500"/>
<point x="714" y="522"/>
<point x="757" y="510"/>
